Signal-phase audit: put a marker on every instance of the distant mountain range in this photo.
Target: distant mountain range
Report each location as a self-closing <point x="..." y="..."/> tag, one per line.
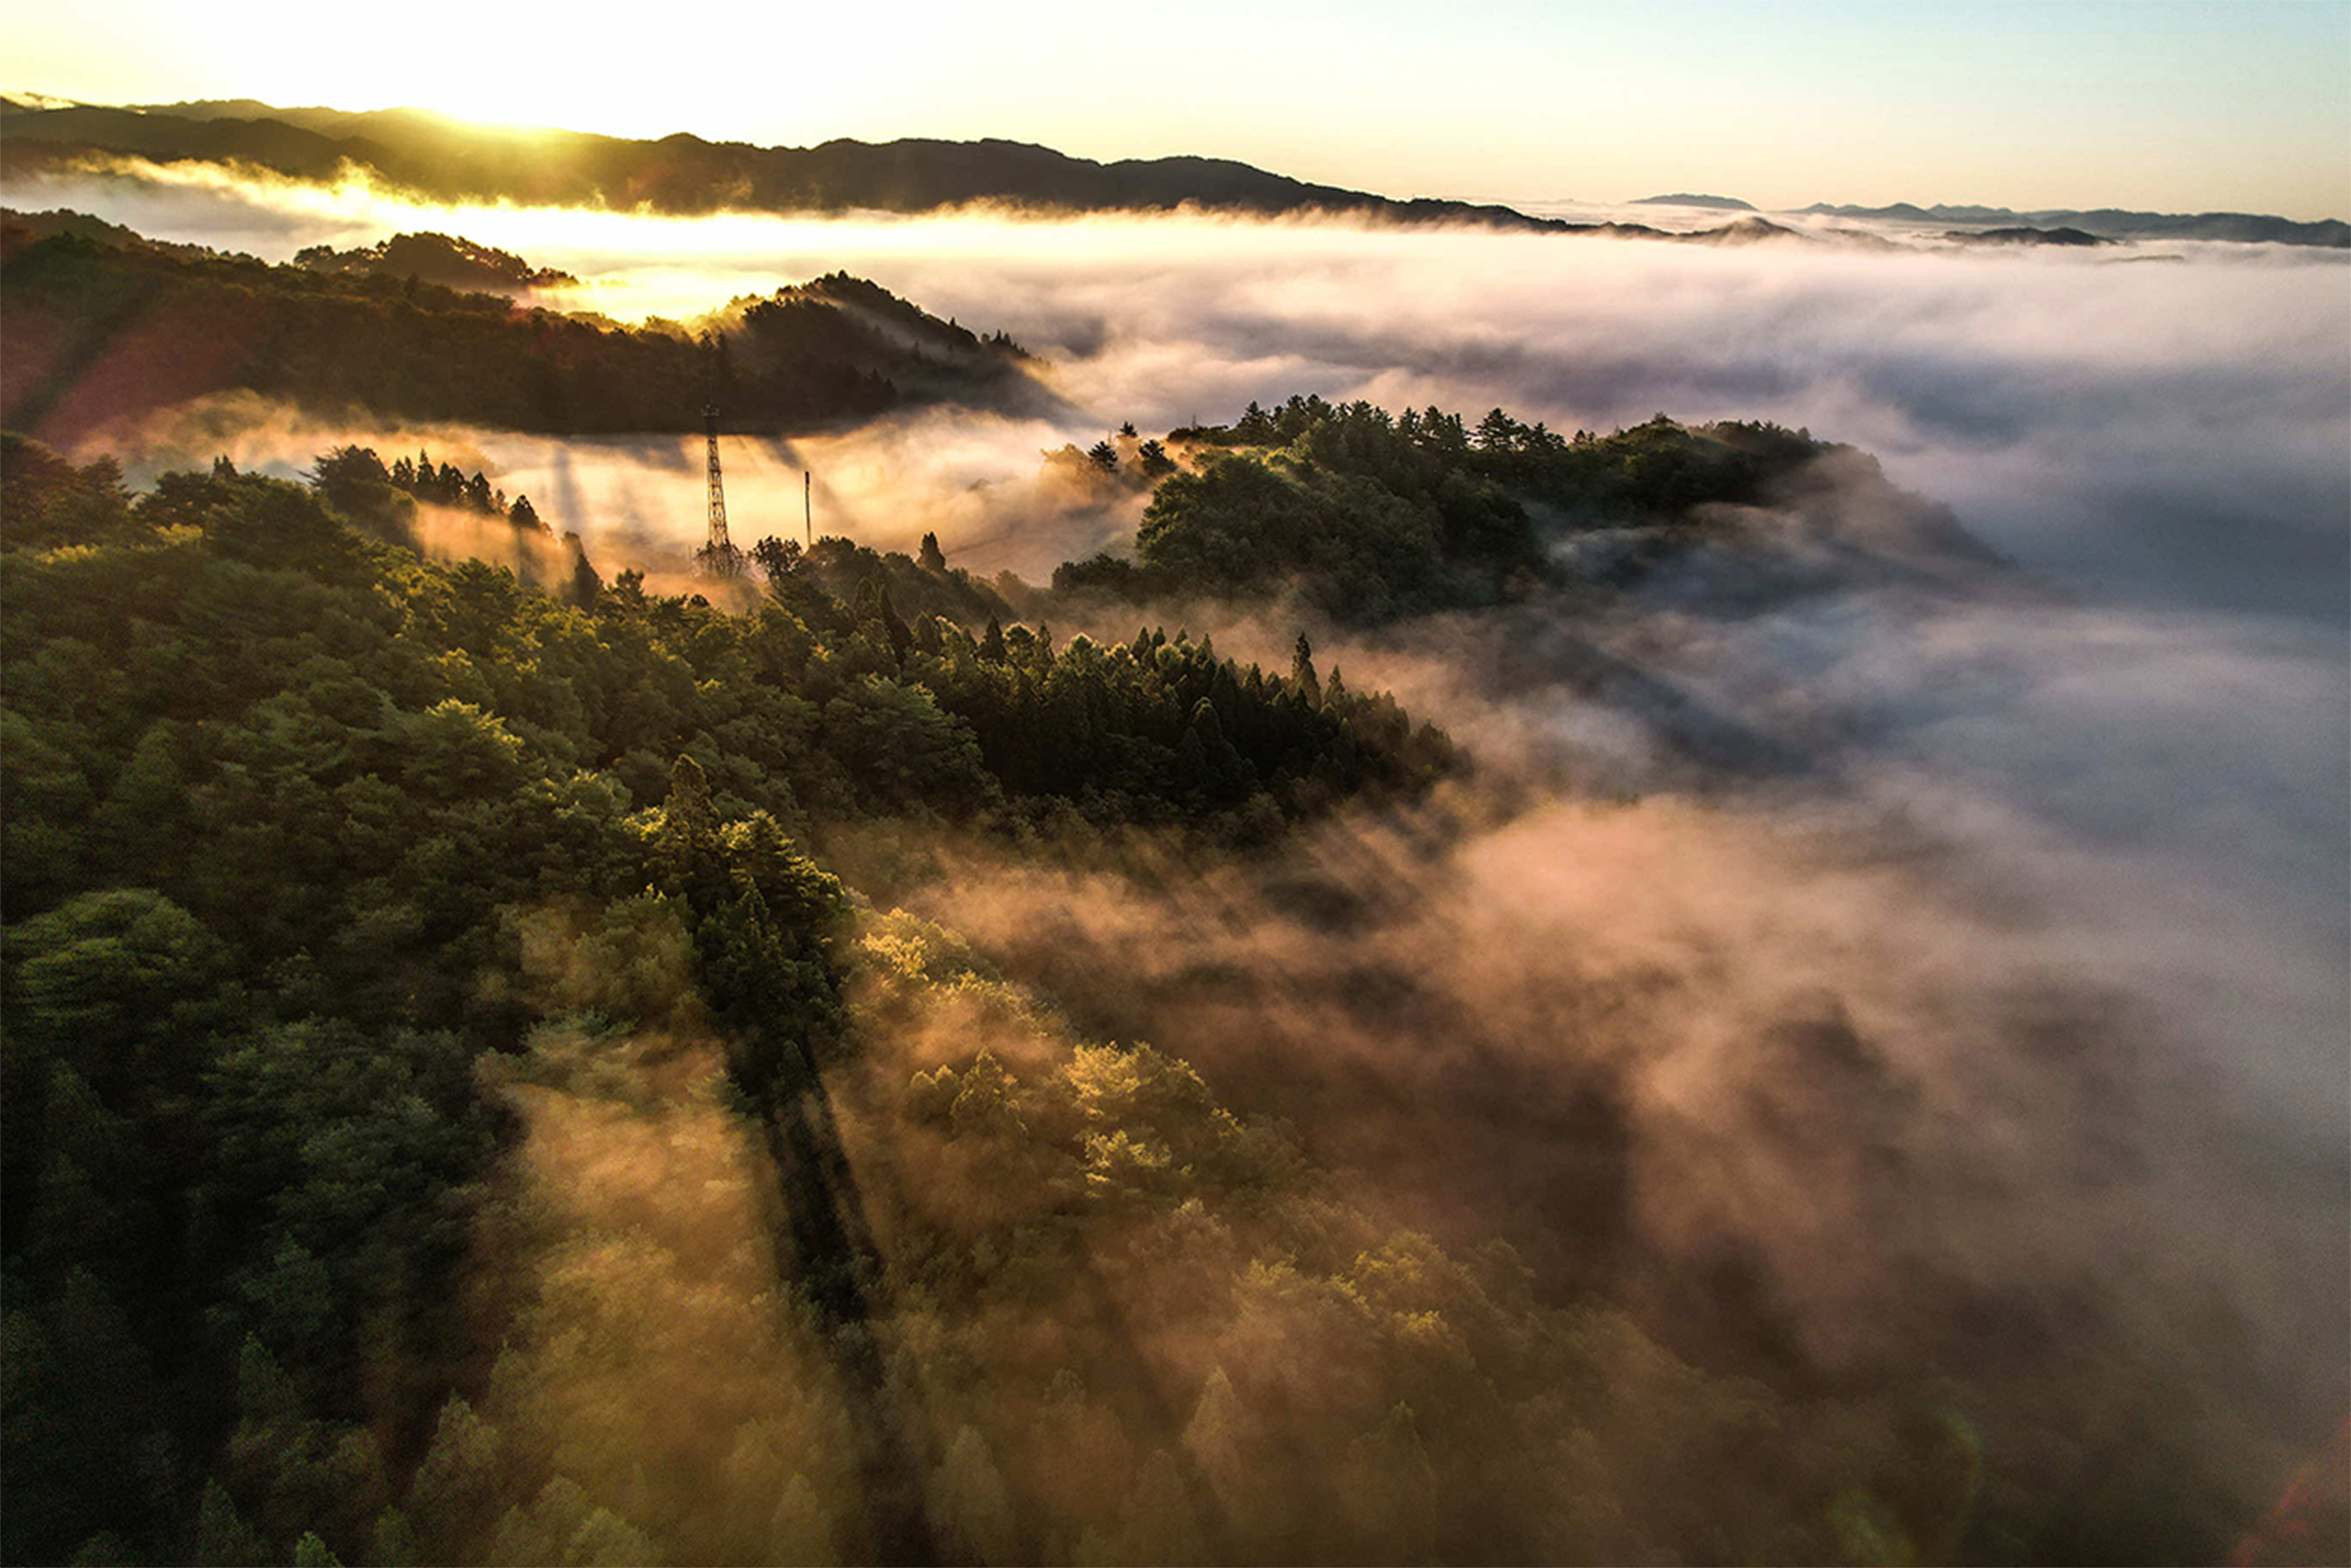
<point x="449" y="160"/>
<point x="2109" y="223"/>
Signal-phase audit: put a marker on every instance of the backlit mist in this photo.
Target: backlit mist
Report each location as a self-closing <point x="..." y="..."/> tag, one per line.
<point x="1848" y="1055"/>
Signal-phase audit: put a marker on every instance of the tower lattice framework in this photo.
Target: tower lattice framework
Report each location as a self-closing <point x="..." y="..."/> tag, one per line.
<point x="718" y="558"/>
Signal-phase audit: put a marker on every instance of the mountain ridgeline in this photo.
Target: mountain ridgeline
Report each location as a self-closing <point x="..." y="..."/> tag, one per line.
<point x="443" y="159"/>
<point x="448" y="160"/>
<point x="103" y="328"/>
<point x="2109" y="223"/>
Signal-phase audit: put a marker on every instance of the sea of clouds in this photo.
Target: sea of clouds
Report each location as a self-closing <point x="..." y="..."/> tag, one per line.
<point x="2067" y="847"/>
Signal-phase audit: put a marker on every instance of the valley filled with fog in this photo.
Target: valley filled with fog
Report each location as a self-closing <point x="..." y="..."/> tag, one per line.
<point x="2153" y="433"/>
<point x="1899" y="966"/>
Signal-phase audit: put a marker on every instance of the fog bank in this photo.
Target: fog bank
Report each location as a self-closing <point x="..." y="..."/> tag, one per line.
<point x="2162" y="420"/>
<point x="1903" y="979"/>
<point x="2152" y="432"/>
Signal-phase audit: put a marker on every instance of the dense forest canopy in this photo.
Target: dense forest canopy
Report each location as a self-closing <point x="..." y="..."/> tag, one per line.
<point x="285" y="800"/>
<point x="462" y="1103"/>
<point x="1370" y="517"/>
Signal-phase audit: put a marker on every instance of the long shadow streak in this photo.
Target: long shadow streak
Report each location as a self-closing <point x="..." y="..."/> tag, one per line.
<point x="1141" y="1407"/>
<point x="839" y="1269"/>
<point x="837" y="1266"/>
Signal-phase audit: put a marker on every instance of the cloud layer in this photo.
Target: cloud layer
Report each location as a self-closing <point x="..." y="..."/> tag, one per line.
<point x="2014" y="995"/>
<point x="2156" y="430"/>
<point x="2162" y="420"/>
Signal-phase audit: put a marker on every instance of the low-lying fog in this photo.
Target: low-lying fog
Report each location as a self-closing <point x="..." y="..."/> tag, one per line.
<point x="2163" y="420"/>
<point x="2123" y="775"/>
<point x="2157" y="430"/>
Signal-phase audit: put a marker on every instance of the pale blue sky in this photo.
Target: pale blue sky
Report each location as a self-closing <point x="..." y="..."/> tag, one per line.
<point x="2150" y="103"/>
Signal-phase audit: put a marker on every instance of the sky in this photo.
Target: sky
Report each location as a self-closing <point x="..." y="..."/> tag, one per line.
<point x="2154" y="104"/>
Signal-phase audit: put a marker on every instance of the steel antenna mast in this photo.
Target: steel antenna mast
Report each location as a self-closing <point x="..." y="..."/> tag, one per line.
<point x="718" y="558"/>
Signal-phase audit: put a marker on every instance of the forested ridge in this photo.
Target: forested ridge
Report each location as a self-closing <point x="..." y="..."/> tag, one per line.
<point x="1369" y="517"/>
<point x="291" y="807"/>
<point x="435" y="258"/>
<point x="104" y="327"/>
<point x="331" y="869"/>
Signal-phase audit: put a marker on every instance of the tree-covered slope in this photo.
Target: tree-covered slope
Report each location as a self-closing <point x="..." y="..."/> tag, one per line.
<point x="341" y="881"/>
<point x="294" y="817"/>
<point x="1369" y="517"/>
<point x="457" y="1110"/>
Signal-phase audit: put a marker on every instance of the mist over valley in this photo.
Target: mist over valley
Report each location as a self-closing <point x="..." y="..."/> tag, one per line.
<point x="1204" y="951"/>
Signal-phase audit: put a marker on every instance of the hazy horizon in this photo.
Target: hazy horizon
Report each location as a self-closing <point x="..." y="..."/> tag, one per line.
<point x="2157" y="106"/>
<point x="1622" y="206"/>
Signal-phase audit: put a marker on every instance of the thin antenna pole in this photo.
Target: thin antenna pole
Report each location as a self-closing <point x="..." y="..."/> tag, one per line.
<point x="808" y="506"/>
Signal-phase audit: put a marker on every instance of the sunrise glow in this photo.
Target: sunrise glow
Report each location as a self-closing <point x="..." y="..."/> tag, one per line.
<point x="1562" y="783"/>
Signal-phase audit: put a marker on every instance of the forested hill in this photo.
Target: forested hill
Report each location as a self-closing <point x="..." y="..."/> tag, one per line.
<point x="101" y="326"/>
<point x="436" y="259"/>
<point x="292" y="812"/>
<point x="1370" y="517"/>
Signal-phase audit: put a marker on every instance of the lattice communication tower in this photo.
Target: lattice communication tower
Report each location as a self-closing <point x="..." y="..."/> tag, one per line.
<point x="718" y="558"/>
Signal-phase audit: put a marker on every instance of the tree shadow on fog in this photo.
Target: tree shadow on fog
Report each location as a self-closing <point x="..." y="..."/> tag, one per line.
<point x="1141" y="1404"/>
<point x="1546" y="658"/>
<point x="831" y="1261"/>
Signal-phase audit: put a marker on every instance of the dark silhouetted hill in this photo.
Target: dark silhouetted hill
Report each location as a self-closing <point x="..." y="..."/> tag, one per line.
<point x="1746" y="230"/>
<point x="2028" y="236"/>
<point x="436" y="259"/>
<point x="21" y="228"/>
<point x="450" y="160"/>
<point x="101" y="327"/>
